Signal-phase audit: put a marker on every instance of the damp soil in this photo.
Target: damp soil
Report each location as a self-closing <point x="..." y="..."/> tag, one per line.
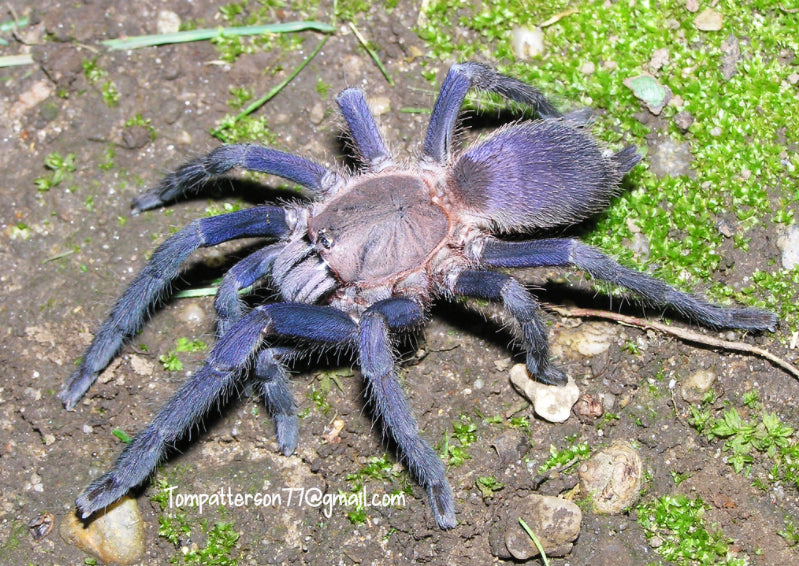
<point x="67" y="253"/>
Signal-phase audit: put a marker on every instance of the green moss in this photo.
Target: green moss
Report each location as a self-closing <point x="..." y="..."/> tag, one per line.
<point x="684" y="538"/>
<point x="180" y="527"/>
<point x="743" y="127"/>
<point x="763" y="435"/>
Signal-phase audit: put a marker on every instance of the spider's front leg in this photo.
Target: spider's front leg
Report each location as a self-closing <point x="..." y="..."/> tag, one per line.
<point x="192" y="176"/>
<point x="564" y="251"/>
<point x="154" y="280"/>
<point x="377" y="366"/>
<point x="207" y="385"/>
<point x="268" y="373"/>
<point x="522" y="306"/>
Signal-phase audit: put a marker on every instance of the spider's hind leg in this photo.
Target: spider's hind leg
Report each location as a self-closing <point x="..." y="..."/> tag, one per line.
<point x="524" y="308"/>
<point x="460" y="79"/>
<point x="654" y="292"/>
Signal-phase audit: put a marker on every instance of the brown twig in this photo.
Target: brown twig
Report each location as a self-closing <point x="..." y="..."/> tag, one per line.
<point x="681" y="333"/>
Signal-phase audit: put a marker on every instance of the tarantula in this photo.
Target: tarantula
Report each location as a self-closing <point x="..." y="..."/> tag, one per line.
<point x="367" y="257"/>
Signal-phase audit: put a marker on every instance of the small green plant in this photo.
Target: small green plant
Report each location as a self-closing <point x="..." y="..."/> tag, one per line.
<point x="172" y="362"/>
<point x="379" y="468"/>
<point x="177" y="527"/>
<point x="766" y="435"/>
<point x="92" y="71"/>
<point x="322" y="88"/>
<point x="59" y="168"/>
<point x="465" y="433"/>
<point x="122" y="435"/>
<point x="140" y="121"/>
<point x="566" y="457"/>
<point x="108" y="162"/>
<point x="241" y="95"/>
<point x="110" y="94"/>
<point x="678" y="523"/>
<point x="790" y="533"/>
<point x="522" y="423"/>
<point x="488" y="486"/>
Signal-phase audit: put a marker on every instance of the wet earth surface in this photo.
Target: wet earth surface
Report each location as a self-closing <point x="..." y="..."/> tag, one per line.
<point x="68" y="251"/>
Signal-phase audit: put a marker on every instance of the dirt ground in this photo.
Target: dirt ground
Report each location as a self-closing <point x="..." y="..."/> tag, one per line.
<point x="69" y="251"/>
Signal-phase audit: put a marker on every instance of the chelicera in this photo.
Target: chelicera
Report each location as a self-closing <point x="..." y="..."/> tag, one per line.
<point x="368" y="255"/>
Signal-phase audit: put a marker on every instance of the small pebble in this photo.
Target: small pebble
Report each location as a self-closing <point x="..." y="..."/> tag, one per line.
<point x="556" y="523"/>
<point x="41" y="526"/>
<point x="613" y="477"/>
<point x="317" y="113"/>
<point x="694" y="388"/>
<point x="527" y="43"/>
<point x="167" y="22"/>
<point x="588" y="339"/>
<point x="709" y="20"/>
<point x="647" y="89"/>
<point x="114" y="535"/>
<point x="550" y="402"/>
<point x="380" y="105"/>
<point x="668" y="158"/>
<point x="683" y="120"/>
<point x="588" y="409"/>
<point x="192" y="313"/>
<point x="788" y="244"/>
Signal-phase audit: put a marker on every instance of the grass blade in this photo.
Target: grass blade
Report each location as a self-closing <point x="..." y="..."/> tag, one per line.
<point x="205" y="34"/>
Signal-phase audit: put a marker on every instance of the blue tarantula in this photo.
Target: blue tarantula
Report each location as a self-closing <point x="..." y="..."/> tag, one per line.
<point x="368" y="256"/>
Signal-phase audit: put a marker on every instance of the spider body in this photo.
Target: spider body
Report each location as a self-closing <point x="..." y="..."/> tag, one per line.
<point x="367" y="257"/>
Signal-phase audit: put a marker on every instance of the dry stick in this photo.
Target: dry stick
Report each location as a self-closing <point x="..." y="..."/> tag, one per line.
<point x="682" y="333"/>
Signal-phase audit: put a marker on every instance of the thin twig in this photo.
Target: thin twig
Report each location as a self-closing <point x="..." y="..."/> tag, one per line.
<point x="682" y="333"/>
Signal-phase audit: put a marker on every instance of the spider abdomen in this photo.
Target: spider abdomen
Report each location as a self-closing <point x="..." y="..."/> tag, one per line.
<point x="538" y="175"/>
<point x="378" y="228"/>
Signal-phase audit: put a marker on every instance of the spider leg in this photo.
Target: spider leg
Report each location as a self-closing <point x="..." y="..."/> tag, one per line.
<point x="363" y="128"/>
<point x="190" y="177"/>
<point x="377" y="366"/>
<point x="523" y="307"/>
<point x="132" y="307"/>
<point x="229" y="308"/>
<point x="564" y="251"/>
<point x="207" y="385"/>
<point x="460" y="79"/>
<point x="268" y="372"/>
<point x="277" y="396"/>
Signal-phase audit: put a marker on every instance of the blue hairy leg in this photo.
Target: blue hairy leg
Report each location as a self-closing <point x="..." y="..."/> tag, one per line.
<point x="268" y="373"/>
<point x="208" y="385"/>
<point x="363" y="128"/>
<point x="191" y="176"/>
<point x="377" y="366"/>
<point x="132" y="307"/>
<point x="460" y="79"/>
<point x="522" y="306"/>
<point x="564" y="251"/>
